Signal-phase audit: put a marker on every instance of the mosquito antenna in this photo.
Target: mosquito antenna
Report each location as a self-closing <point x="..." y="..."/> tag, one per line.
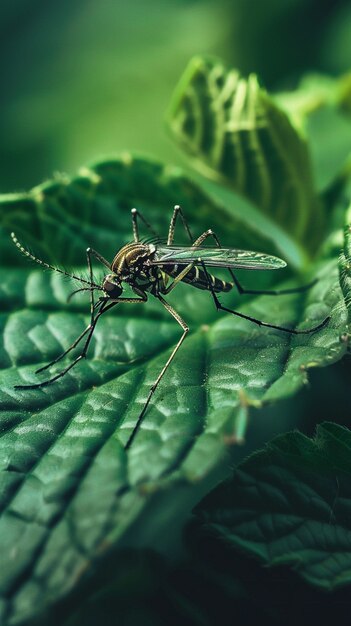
<point x="47" y="265"/>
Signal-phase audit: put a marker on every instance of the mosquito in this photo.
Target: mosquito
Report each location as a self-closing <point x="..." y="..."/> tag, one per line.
<point x="155" y="269"/>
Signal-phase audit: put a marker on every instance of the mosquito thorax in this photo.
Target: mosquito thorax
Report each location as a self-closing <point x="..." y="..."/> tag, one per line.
<point x="131" y="258"/>
<point x="112" y="286"/>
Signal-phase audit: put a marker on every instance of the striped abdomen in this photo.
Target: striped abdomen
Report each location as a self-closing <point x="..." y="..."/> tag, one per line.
<point x="197" y="278"/>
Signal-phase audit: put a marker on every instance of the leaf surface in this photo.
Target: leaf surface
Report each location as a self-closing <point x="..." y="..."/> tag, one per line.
<point x="71" y="494"/>
<point x="290" y="504"/>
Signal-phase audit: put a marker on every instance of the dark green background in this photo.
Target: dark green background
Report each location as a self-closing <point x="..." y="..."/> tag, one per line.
<point x="83" y="79"/>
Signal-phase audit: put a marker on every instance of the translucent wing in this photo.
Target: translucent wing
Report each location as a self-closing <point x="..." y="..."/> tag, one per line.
<point x="217" y="257"/>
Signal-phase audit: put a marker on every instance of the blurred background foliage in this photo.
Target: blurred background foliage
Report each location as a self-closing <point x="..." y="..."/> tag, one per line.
<point x="88" y="78"/>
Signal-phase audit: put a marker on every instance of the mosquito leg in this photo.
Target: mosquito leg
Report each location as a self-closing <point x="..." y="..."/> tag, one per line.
<point x="92" y="324"/>
<point x="91" y="252"/>
<point x="292" y="331"/>
<point x="163" y="370"/>
<point x="74" y="344"/>
<point x="196" y="243"/>
<point x="143" y="298"/>
<point x="135" y="215"/>
<point x="178" y="211"/>
<point x="90" y="329"/>
<point x="92" y="285"/>
<point x="273" y="292"/>
<point x="201" y="239"/>
<point x="178" y="278"/>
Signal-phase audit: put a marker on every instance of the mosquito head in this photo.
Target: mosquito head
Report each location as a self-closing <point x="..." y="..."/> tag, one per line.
<point x="112" y="286"/>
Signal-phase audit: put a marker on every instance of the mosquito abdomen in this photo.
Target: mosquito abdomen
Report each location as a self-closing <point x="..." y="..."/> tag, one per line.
<point x="197" y="278"/>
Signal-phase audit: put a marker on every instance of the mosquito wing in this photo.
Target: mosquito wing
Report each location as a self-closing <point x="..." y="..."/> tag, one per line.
<point x="217" y="257"/>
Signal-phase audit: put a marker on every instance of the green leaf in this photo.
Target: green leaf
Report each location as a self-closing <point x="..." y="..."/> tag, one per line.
<point x="329" y="132"/>
<point x="345" y="268"/>
<point x="290" y="503"/>
<point x="71" y="495"/>
<point x="238" y="135"/>
<point x="314" y="92"/>
<point x="320" y="107"/>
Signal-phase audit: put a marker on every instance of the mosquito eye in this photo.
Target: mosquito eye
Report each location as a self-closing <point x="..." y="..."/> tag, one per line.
<point x="113" y="290"/>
